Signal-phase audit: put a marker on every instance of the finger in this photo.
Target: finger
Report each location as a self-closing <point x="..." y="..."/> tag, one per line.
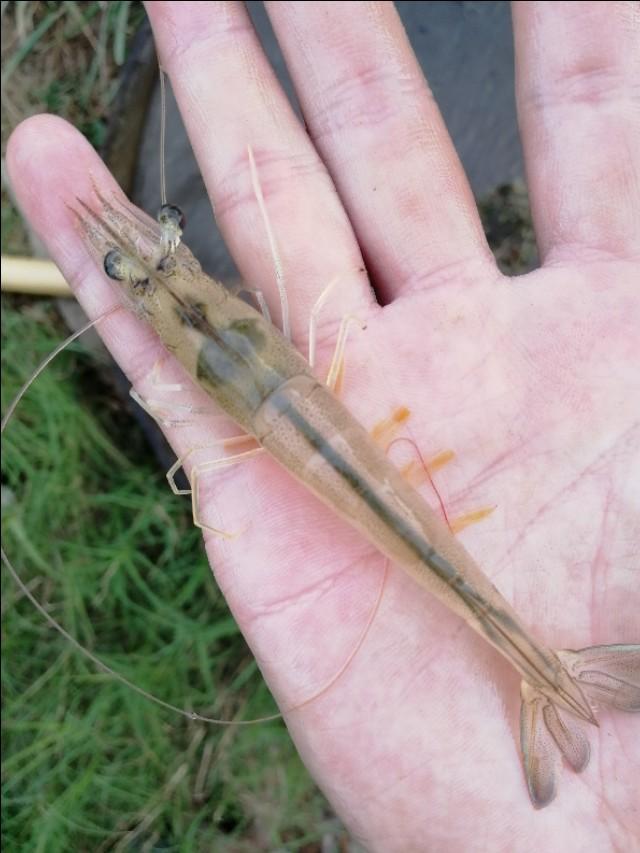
<point x="372" y="116"/>
<point x="48" y="197"/>
<point x="229" y="99"/>
<point x="577" y="73"/>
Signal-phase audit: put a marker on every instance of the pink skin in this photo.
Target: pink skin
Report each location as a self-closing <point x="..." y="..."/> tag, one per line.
<point x="533" y="382"/>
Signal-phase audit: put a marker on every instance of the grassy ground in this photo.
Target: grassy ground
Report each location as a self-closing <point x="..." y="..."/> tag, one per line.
<point x="87" y="763"/>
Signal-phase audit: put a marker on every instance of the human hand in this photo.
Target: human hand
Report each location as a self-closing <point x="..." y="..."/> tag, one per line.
<point x="530" y="381"/>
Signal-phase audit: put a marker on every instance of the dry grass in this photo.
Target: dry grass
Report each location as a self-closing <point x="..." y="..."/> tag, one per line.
<point x="61" y="58"/>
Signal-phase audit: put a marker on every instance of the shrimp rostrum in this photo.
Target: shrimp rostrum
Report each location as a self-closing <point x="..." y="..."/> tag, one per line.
<point x="266" y="386"/>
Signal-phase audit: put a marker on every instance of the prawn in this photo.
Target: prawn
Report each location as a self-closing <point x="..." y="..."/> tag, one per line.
<point x="255" y="376"/>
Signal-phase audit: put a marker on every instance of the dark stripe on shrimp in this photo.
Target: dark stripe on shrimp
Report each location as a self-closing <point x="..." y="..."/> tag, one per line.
<point x="498" y="625"/>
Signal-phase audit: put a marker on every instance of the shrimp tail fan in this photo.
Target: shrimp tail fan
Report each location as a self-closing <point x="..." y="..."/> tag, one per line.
<point x="609" y="677"/>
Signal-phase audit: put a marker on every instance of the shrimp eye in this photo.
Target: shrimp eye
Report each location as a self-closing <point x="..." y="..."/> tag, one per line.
<point x="171" y="213"/>
<point x="167" y="264"/>
<point x="113" y="265"/>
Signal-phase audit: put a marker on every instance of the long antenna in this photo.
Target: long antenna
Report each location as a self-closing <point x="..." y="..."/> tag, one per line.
<point x="184" y="712"/>
<point x="163" y="133"/>
<point x="170" y="216"/>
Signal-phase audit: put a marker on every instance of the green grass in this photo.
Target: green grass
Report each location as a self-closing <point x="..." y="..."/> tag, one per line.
<point x="112" y="554"/>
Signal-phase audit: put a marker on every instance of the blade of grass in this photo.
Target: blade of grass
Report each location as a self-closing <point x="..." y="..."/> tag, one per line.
<point x="31" y="41"/>
<point x="120" y="31"/>
<point x="97" y="62"/>
<point x="81" y="19"/>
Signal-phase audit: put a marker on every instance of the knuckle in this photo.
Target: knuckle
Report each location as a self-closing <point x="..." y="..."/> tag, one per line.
<point x="367" y="98"/>
<point x="278" y="172"/>
<point x="586" y="84"/>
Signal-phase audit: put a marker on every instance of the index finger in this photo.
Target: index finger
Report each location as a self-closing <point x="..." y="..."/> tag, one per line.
<point x="230" y="99"/>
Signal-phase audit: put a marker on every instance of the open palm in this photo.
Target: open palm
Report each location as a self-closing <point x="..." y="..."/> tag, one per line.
<point x="531" y="382"/>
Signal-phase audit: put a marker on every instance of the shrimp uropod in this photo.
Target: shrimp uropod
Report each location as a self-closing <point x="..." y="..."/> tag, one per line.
<point x="264" y="384"/>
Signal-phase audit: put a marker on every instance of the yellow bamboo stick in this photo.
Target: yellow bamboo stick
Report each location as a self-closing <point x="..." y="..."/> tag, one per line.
<point x="32" y="276"/>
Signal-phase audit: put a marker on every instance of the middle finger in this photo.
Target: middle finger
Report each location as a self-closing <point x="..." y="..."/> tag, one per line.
<point x="373" y="118"/>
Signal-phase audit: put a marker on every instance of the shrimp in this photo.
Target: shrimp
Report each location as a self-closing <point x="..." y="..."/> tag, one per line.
<point x="264" y="384"/>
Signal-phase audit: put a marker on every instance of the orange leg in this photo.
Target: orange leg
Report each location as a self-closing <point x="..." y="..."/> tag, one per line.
<point x="420" y="471"/>
<point x="386" y="430"/>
